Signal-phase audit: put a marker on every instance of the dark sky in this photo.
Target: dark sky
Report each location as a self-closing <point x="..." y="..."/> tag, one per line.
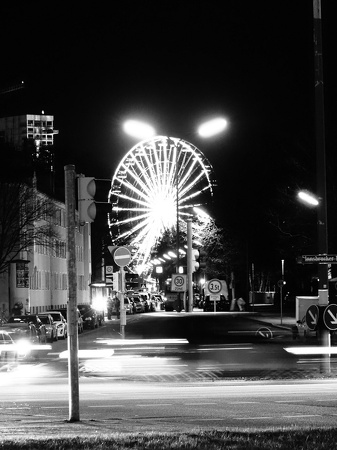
<point x="175" y="63"/>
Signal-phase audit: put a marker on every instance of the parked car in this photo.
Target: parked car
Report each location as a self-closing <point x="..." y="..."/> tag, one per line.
<point x="51" y="329"/>
<point x="89" y="316"/>
<point x="80" y="325"/>
<point x="128" y="305"/>
<point x="61" y="324"/>
<point x="138" y="306"/>
<point x="27" y="327"/>
<point x="8" y="352"/>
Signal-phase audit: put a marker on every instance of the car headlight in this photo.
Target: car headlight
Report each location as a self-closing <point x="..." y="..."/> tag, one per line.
<point x="23" y="347"/>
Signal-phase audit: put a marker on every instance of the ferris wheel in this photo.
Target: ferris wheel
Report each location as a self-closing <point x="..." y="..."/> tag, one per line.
<point x="156" y="180"/>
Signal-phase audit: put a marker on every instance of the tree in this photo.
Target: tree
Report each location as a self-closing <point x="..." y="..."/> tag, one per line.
<point x="26" y="218"/>
<point x="220" y="248"/>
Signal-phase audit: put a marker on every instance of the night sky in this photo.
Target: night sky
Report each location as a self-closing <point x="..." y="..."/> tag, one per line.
<point x="175" y="64"/>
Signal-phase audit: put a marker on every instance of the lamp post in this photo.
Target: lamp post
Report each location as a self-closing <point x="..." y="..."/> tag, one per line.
<point x="322" y="220"/>
<point x="206" y="130"/>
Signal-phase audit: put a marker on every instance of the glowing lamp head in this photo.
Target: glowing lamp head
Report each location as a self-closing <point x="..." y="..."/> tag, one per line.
<point x="308" y="198"/>
<point x="137" y="129"/>
<point x="212" y="127"/>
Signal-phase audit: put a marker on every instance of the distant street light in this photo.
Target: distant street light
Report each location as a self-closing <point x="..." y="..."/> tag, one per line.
<point x="212" y="127"/>
<point x="308" y="198"/>
<point x="139" y="130"/>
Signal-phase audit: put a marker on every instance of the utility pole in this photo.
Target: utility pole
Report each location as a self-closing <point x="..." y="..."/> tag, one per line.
<point x="70" y="202"/>
<point x="322" y="218"/>
<point x="189" y="304"/>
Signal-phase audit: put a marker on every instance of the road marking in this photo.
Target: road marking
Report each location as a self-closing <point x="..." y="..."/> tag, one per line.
<point x="106" y="406"/>
<point x="254" y="418"/>
<point x="153" y="404"/>
<point x="18" y="407"/>
<point x="240" y="403"/>
<point x="288" y="401"/>
<point x="303" y="415"/>
<point x="200" y="404"/>
<point x="54" y="407"/>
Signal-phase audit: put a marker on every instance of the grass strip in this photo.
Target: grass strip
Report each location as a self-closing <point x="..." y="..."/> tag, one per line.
<point x="308" y="439"/>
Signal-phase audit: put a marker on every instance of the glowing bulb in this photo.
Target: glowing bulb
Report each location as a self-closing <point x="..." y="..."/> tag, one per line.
<point x="139" y="130"/>
<point x="212" y="127"/>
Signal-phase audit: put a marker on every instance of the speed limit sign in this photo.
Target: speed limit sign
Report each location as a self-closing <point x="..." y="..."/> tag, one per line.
<point x="178" y="283"/>
<point x="214" y="286"/>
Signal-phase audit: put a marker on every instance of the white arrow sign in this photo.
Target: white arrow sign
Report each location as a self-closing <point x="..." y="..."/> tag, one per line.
<point x="334" y="318"/>
<point x="314" y="318"/>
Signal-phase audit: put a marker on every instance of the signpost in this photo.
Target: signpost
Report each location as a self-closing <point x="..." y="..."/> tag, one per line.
<point x="320" y="259"/>
<point x="122" y="258"/>
<point x="214" y="287"/>
<point x="330" y="317"/>
<point x="179" y="282"/>
<point x="311" y="317"/>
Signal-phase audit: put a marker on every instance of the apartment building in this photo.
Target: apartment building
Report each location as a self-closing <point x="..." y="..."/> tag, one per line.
<point x="16" y="130"/>
<point x="38" y="278"/>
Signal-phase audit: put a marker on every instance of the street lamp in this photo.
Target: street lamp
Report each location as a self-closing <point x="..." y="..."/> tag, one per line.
<point x="212" y="127"/>
<point x="308" y="198"/>
<point x="207" y="130"/>
<point x="138" y="129"/>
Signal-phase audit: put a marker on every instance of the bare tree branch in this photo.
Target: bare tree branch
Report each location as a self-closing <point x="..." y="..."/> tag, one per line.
<point x="26" y="219"/>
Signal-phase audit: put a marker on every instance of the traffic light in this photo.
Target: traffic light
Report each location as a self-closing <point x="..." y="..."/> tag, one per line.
<point x="86" y="199"/>
<point x="195" y="257"/>
<point x="131" y="281"/>
<point x="202" y="259"/>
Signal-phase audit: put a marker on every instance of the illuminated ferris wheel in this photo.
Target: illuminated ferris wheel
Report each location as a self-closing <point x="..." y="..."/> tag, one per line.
<point x="156" y="179"/>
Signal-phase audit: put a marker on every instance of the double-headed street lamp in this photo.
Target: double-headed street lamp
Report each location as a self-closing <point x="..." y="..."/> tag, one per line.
<point x="142" y="130"/>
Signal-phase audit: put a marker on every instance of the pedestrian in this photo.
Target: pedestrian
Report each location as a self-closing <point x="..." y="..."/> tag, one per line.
<point x="241" y="304"/>
<point x="234" y="305"/>
<point x="117" y="306"/>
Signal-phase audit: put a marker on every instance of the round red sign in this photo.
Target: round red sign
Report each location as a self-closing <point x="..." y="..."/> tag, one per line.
<point x="122" y="256"/>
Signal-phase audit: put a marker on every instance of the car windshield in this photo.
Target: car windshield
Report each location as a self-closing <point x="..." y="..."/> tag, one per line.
<point x="44" y="319"/>
<point x="64" y="313"/>
<point x="56" y="317"/>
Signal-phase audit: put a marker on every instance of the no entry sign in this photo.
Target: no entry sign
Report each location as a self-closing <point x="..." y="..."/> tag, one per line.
<point x="122" y="256"/>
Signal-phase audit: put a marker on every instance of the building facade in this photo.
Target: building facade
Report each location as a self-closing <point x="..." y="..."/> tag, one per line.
<point x="38" y="278"/>
<point x="16" y="130"/>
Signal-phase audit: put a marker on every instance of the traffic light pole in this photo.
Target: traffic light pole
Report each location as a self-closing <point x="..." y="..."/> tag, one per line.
<point x="122" y="311"/>
<point x="70" y="203"/>
<point x="189" y="304"/>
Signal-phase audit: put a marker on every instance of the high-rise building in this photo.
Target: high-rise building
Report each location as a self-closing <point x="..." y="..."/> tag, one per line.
<point x="37" y="128"/>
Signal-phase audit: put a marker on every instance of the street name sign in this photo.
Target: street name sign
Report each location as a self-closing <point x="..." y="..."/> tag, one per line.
<point x="311" y="317"/>
<point x="330" y="317"/>
<point x="179" y="282"/>
<point x="320" y="259"/>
